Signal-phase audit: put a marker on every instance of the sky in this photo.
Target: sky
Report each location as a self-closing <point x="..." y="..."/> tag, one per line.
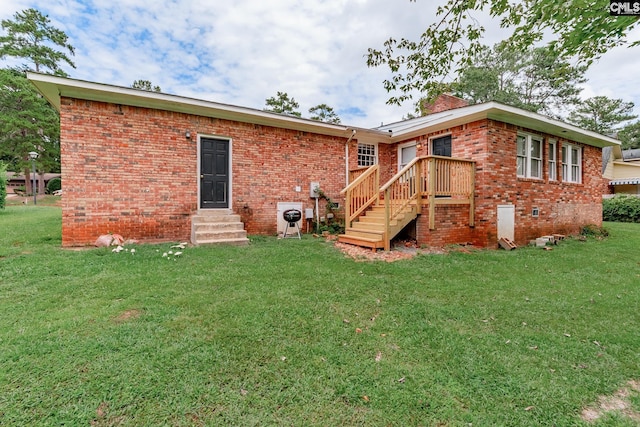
<point x="242" y="52"/>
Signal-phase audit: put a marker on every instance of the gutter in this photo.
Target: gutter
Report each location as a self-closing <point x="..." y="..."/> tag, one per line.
<point x="346" y="156"/>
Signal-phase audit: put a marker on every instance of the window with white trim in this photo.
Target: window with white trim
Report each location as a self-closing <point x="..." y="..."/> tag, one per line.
<point x="571" y="163"/>
<point x="553" y="160"/>
<point x="406" y="153"/>
<point x="529" y="156"/>
<point x="367" y="155"/>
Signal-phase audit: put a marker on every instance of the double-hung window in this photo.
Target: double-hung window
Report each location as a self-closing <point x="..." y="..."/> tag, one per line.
<point x="367" y="155"/>
<point x="553" y="160"/>
<point x="571" y="163"/>
<point x="529" y="156"/>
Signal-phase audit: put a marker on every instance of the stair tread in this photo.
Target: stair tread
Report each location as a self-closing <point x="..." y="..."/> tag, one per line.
<point x="222" y="241"/>
<point x="364" y="239"/>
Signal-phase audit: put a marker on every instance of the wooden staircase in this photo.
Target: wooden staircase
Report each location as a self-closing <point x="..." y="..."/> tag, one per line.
<point x="374" y="215"/>
<point x="370" y="230"/>
<point x="217" y="227"/>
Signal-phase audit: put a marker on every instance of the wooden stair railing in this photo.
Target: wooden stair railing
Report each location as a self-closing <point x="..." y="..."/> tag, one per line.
<point x="451" y="178"/>
<point x="361" y="193"/>
<point x="432" y="180"/>
<point x="402" y="199"/>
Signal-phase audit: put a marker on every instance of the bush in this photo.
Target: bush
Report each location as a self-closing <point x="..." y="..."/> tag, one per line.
<point x="54" y="185"/>
<point x="592" y="230"/>
<point x="3" y="185"/>
<point x="621" y="208"/>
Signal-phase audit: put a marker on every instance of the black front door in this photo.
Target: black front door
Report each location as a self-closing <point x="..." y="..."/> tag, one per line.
<point x="214" y="173"/>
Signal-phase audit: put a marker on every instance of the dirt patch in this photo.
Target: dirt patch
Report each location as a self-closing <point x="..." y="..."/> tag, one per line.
<point x="401" y="250"/>
<point x="127" y="315"/>
<point x="618" y="402"/>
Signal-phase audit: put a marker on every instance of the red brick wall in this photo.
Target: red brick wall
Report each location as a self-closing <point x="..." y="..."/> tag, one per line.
<point x="563" y="207"/>
<point x="131" y="171"/>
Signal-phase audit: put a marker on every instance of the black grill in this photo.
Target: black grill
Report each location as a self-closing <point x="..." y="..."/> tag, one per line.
<point x="292" y="216"/>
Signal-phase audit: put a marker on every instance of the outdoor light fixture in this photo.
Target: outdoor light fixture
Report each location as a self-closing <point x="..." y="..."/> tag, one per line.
<point x="187" y="135"/>
<point x="33" y="156"/>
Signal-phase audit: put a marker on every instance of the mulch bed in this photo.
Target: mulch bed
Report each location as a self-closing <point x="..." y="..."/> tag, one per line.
<point x="405" y="249"/>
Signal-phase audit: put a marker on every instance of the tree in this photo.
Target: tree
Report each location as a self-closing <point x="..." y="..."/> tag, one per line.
<point x="324" y="113"/>
<point x="30" y="36"/>
<point x="29" y="123"/>
<point x="282" y="104"/>
<point x="450" y="43"/>
<point x="536" y="80"/>
<point x="145" y="85"/>
<point x="601" y="114"/>
<point x="629" y="136"/>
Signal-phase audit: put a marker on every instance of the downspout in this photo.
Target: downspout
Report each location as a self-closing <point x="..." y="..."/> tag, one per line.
<point x="346" y="156"/>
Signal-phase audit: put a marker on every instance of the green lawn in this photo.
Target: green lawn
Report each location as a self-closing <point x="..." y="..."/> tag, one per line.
<point x="289" y="332"/>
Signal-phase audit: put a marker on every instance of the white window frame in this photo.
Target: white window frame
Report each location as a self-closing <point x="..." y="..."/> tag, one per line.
<point x="552" y="157"/>
<point x="528" y="165"/>
<point x="571" y="166"/>
<point x="366" y="159"/>
<point x="400" y="148"/>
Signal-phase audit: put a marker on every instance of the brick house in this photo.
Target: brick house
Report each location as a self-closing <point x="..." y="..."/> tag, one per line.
<point x="156" y="167"/>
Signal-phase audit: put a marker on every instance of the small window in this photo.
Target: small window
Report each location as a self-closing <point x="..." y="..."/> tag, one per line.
<point x="406" y="153"/>
<point x="529" y="156"/>
<point x="553" y="162"/>
<point x="571" y="163"/>
<point x="367" y="155"/>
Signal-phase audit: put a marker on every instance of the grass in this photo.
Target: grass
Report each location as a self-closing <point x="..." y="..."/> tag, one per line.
<point x="42" y="200"/>
<point x="288" y="332"/>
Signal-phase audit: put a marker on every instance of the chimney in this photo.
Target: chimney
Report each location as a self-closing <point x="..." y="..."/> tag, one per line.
<point x="444" y="102"/>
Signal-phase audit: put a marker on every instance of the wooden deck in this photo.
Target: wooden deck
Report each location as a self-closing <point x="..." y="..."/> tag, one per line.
<point x="374" y="215"/>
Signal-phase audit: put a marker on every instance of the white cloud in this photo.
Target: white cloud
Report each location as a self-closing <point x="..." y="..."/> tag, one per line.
<point x="243" y="52"/>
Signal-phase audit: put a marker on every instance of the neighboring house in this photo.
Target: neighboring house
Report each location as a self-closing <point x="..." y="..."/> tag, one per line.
<point x="622" y="170"/>
<point x="16" y="181"/>
<point x="154" y="166"/>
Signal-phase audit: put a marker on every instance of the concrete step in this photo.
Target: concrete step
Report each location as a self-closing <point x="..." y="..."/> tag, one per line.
<point x="232" y="242"/>
<point x="217" y="226"/>
<point x="220" y="235"/>
<point x="215" y="218"/>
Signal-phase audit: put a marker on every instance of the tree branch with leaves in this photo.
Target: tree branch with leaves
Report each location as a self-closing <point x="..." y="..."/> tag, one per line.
<point x="581" y="29"/>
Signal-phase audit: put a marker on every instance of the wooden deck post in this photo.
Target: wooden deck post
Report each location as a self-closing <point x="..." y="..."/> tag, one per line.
<point x="387" y="215"/>
<point x="418" y="184"/>
<point x="472" y="198"/>
<point x="347" y="209"/>
<point x="432" y="193"/>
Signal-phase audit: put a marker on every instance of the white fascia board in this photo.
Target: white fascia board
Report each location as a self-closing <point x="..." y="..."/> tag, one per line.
<point x="54" y="87"/>
<point x="500" y="112"/>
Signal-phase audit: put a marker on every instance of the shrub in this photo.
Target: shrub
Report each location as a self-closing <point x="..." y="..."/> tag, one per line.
<point x="592" y="230"/>
<point x="3" y="185"/>
<point x="54" y="185"/>
<point x="621" y="208"/>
